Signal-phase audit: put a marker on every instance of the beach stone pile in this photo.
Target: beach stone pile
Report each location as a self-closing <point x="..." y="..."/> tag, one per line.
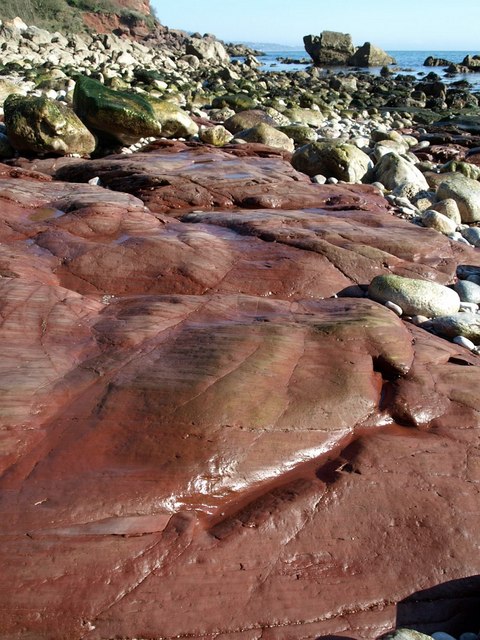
<point x="240" y="347"/>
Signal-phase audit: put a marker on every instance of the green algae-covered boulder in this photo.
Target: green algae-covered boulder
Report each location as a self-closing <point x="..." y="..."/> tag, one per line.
<point x="41" y="125"/>
<point x="309" y="117"/>
<point x="332" y="159"/>
<point x="458" y="324"/>
<point x="468" y="169"/>
<point x="118" y="115"/>
<point x="415" y="297"/>
<point x="236" y="101"/>
<point x="174" y="122"/>
<point x="300" y="134"/>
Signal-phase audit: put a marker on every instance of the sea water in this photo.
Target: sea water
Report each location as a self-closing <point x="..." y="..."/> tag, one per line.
<point x="408" y="63"/>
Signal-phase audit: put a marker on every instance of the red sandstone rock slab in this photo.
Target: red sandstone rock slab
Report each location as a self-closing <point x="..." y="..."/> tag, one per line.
<point x="204" y="178"/>
<point x="96" y="241"/>
<point x="223" y="465"/>
<point x="360" y="244"/>
<point x="45" y="333"/>
<point x="185" y="436"/>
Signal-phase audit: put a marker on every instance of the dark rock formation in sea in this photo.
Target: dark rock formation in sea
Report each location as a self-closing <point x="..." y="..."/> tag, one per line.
<point x="334" y="49"/>
<point x="368" y="55"/>
<point x="330" y="48"/>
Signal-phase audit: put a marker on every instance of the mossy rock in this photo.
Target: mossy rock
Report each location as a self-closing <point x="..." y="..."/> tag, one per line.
<point x="468" y="169"/>
<point x="174" y="122"/>
<point x="43" y="126"/>
<point x="237" y="102"/>
<point x="148" y="76"/>
<point x="247" y="119"/>
<point x="307" y="117"/>
<point x="332" y="159"/>
<point x="300" y="134"/>
<point x="265" y="134"/>
<point x="118" y="115"/>
<point x="415" y="297"/>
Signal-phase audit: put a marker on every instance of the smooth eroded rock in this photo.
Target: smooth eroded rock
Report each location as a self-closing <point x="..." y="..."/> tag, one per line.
<point x="465" y="192"/>
<point x="458" y="324"/>
<point x="415" y="297"/>
<point x="394" y="171"/>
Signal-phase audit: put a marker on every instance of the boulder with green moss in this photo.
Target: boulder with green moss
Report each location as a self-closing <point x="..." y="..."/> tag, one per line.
<point x="415" y="297"/>
<point x="237" y="102"/>
<point x="300" y="134"/>
<point x="309" y="117"/>
<point x="332" y="159"/>
<point x="42" y="126"/>
<point x="114" y="115"/>
<point x="174" y="122"/>
<point x="468" y="169"/>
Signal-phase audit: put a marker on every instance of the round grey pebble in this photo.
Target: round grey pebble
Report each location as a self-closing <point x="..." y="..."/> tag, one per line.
<point x="472" y="234"/>
<point x="441" y="635"/>
<point x="468" y="291"/>
<point x="468" y="635"/>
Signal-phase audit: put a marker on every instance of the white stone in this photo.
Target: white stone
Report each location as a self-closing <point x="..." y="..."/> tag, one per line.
<point x="397" y="309"/>
<point x="470" y="307"/>
<point x="464" y="342"/>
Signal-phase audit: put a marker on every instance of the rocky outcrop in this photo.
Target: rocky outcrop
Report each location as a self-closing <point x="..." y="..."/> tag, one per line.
<point x="330" y="48"/>
<point x="432" y="61"/>
<point x="207" y="49"/>
<point x="368" y="55"/>
<point x="336" y="49"/>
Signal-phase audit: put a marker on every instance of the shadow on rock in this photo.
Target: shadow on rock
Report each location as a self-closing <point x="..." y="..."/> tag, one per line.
<point x="452" y="607"/>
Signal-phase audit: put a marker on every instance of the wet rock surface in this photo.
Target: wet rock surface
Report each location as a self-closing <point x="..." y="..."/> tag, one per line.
<point x="199" y="439"/>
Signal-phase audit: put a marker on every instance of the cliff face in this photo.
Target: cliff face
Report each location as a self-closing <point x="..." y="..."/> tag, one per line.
<point x="71" y="16"/>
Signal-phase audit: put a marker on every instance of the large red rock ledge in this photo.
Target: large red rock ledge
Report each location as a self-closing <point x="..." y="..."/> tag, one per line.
<point x="199" y="439"/>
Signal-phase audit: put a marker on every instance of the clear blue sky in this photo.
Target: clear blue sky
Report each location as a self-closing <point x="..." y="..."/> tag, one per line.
<point x="390" y="24"/>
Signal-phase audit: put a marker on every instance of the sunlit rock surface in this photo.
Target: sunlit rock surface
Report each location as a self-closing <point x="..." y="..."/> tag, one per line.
<point x="198" y="439"/>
